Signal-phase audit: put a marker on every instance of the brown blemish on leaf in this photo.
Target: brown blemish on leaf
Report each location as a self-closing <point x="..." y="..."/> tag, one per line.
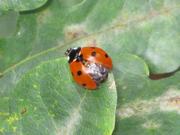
<point x="74" y="32"/>
<point x="175" y="101"/>
<point x="136" y="108"/>
<point x="170" y="101"/>
<point x="167" y="102"/>
<point x="43" y="16"/>
<point x="23" y="111"/>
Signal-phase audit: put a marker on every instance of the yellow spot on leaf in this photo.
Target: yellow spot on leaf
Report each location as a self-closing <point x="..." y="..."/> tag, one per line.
<point x="151" y="125"/>
<point x="35" y="86"/>
<point x="14" y="129"/>
<point x="36" y="74"/>
<point x="1" y="130"/>
<point x="4" y="114"/>
<point x="51" y="114"/>
<point x="21" y="99"/>
<point x="124" y="87"/>
<point x="12" y="119"/>
<point x="35" y="108"/>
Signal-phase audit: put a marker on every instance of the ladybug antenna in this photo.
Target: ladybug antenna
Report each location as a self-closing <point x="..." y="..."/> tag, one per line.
<point x="68" y="51"/>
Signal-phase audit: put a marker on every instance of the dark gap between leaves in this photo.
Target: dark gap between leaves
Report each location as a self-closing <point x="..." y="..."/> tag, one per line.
<point x="39" y="9"/>
<point x="162" y="75"/>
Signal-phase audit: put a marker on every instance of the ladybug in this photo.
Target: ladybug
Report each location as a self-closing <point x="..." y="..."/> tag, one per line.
<point x="89" y="65"/>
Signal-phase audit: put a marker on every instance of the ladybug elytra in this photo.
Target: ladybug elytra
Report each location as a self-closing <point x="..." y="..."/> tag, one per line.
<point x="89" y="65"/>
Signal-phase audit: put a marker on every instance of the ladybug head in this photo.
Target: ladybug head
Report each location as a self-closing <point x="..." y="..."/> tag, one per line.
<point x="72" y="53"/>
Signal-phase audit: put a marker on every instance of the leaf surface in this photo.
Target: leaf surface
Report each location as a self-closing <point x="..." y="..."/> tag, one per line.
<point x="21" y="5"/>
<point x="47" y="101"/>
<point x="8" y="23"/>
<point x="145" y="107"/>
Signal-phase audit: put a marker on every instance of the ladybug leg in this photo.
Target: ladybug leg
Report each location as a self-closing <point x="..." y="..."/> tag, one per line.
<point x="79" y="58"/>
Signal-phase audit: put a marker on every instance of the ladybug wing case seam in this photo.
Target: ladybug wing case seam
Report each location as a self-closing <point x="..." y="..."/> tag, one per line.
<point x="97" y="55"/>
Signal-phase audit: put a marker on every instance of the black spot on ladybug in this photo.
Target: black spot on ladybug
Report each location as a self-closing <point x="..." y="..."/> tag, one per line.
<point x="79" y="73"/>
<point x="84" y="84"/>
<point x="106" y="55"/>
<point x="93" y="54"/>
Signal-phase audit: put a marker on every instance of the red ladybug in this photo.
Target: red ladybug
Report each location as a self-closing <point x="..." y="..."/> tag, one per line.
<point x="89" y="65"/>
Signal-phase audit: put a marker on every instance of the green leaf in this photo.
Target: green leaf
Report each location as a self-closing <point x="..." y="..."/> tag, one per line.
<point x="145" y="107"/>
<point x="21" y="5"/>
<point x="19" y="45"/>
<point x="47" y="101"/>
<point x="146" y="29"/>
<point x="8" y="23"/>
